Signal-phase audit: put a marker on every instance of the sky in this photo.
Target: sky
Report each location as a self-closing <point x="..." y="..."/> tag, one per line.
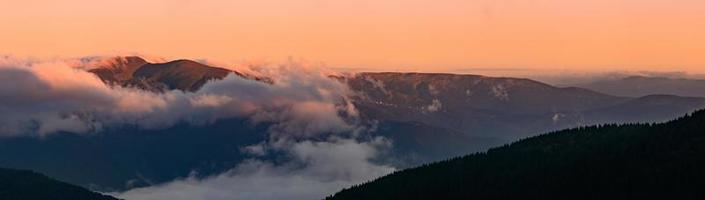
<point x="375" y="35"/>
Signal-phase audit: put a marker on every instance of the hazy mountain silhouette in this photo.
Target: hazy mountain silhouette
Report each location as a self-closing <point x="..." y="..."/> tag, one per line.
<point x="636" y="86"/>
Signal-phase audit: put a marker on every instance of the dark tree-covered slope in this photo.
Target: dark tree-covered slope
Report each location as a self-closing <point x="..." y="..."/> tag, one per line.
<point x="664" y="161"/>
<point x="28" y="185"/>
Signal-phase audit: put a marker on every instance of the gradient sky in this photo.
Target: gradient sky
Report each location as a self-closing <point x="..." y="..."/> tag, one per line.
<point x="422" y="35"/>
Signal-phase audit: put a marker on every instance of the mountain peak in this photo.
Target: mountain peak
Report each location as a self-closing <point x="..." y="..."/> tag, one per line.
<point x="134" y="71"/>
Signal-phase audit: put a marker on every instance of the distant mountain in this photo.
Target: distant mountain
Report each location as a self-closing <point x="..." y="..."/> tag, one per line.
<point x="636" y="86"/>
<point x="652" y="108"/>
<point x="504" y="108"/>
<point x="476" y="106"/>
<point x="637" y="161"/>
<point x="28" y="185"/>
<point x="454" y="91"/>
<point x="185" y="75"/>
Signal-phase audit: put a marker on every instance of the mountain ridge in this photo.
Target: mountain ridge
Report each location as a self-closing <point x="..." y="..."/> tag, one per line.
<point x="636" y="86"/>
<point x="466" y="103"/>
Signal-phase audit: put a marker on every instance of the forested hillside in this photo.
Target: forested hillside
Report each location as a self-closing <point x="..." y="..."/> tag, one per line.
<point x="598" y="162"/>
<point x="27" y="185"/>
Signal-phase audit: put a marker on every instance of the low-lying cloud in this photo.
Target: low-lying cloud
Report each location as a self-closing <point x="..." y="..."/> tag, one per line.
<point x="317" y="169"/>
<point x="44" y="97"/>
<point x="314" y="127"/>
<point x="39" y="98"/>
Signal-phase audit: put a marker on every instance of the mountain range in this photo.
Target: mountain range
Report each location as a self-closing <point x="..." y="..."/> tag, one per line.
<point x="428" y="117"/>
<point x="504" y="109"/>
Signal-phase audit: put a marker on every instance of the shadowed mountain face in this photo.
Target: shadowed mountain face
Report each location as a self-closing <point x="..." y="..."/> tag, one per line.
<point x="180" y="74"/>
<point x="636" y="86"/>
<point x="662" y="161"/>
<point x="653" y="108"/>
<point x="129" y="157"/>
<point x="28" y="185"/>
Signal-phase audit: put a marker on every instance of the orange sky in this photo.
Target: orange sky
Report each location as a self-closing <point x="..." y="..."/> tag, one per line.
<point x="422" y="35"/>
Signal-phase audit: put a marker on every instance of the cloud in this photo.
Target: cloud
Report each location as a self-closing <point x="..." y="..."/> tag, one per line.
<point x="306" y="164"/>
<point x="377" y="84"/>
<point x="314" y="147"/>
<point x="435" y="106"/>
<point x="500" y="92"/>
<point x="557" y="117"/>
<point x="432" y="90"/>
<point x="45" y="97"/>
<point x="316" y="169"/>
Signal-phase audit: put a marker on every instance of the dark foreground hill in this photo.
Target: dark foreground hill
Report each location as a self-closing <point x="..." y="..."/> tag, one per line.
<point x="664" y="161"/>
<point x="27" y="185"/>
